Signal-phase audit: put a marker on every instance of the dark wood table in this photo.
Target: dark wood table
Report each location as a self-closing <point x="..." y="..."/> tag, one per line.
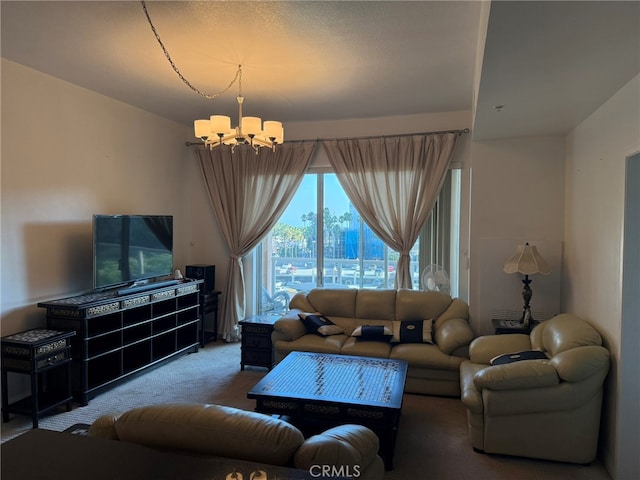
<point x="46" y="455"/>
<point x="327" y="390"/>
<point x="256" y="348"/>
<point x="44" y="355"/>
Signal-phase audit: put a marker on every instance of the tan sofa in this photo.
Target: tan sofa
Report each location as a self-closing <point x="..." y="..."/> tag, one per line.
<point x="547" y="408"/>
<point x="220" y="431"/>
<point x="433" y="367"/>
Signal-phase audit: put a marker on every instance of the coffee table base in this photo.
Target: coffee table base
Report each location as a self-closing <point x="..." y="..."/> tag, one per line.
<point x="383" y="424"/>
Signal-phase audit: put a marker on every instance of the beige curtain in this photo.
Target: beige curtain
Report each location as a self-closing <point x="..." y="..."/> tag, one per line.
<point x="248" y="193"/>
<point x="393" y="182"/>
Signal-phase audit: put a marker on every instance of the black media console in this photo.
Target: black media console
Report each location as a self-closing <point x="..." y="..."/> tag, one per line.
<point x="118" y="335"/>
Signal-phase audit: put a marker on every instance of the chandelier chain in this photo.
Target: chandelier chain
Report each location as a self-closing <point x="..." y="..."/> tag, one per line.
<point x="238" y="75"/>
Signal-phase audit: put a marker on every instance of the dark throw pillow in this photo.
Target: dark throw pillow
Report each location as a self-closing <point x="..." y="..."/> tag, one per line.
<point x="319" y="324"/>
<point x="373" y="332"/>
<point x="518" y="356"/>
<point x="412" y="331"/>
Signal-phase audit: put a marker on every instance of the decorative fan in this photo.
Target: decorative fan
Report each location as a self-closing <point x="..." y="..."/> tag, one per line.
<point x="435" y="279"/>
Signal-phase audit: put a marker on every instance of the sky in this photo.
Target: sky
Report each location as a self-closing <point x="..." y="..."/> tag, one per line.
<point x="304" y="201"/>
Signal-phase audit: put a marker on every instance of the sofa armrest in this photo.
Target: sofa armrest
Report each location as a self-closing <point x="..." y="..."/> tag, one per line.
<point x="580" y="363"/>
<point x="211" y="430"/>
<point x="470" y="395"/>
<point x="452" y="334"/>
<point x="483" y="349"/>
<point x="289" y="327"/>
<point x="352" y="446"/>
<point x="104" y="427"/>
<point x="517" y="376"/>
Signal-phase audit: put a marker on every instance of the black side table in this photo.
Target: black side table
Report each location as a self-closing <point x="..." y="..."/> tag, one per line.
<point x="511" y="326"/>
<point x="45" y="356"/>
<point x="209" y="310"/>
<point x="256" y="347"/>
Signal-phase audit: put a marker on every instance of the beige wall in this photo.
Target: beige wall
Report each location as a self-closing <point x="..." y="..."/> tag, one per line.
<point x="517" y="195"/>
<point x="68" y="153"/>
<point x="595" y="193"/>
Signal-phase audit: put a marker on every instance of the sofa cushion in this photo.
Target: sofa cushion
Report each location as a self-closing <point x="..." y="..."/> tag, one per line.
<point x="372" y="332"/>
<point x="320" y="324"/>
<point x="212" y="430"/>
<point x="376" y="304"/>
<point x="424" y="355"/>
<point x="334" y="302"/>
<point x="415" y="304"/>
<point x="368" y="348"/>
<point x="412" y="331"/>
<point x="312" y="343"/>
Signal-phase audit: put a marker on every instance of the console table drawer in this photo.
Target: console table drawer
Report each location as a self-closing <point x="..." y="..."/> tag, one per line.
<point x="258" y="358"/>
<point x="257" y="342"/>
<point x="24" y="365"/>
<point x="257" y="329"/>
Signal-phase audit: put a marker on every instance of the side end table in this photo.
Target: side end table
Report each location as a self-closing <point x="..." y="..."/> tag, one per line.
<point x="511" y="326"/>
<point x="209" y="310"/>
<point x="45" y="356"/>
<point x="256" y="346"/>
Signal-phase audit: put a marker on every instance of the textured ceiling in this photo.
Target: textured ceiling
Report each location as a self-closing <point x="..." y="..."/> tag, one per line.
<point x="549" y="63"/>
<point x="301" y="60"/>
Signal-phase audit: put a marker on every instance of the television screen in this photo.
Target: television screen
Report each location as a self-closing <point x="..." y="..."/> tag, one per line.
<point x="130" y="248"/>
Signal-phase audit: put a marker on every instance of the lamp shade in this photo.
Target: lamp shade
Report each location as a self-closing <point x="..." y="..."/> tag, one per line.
<point x="273" y="129"/>
<point x="251" y="125"/>
<point x="220" y="124"/>
<point x="527" y="261"/>
<point x="202" y="128"/>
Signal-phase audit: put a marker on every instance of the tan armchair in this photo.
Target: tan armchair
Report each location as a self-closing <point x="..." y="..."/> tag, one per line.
<point x="548" y="408"/>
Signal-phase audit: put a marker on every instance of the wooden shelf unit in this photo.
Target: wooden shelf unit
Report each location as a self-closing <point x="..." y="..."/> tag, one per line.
<point x="121" y="335"/>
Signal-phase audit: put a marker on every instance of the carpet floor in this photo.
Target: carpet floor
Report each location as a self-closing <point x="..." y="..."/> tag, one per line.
<point x="432" y="441"/>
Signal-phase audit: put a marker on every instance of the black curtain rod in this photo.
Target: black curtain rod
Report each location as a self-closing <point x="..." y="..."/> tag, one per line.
<point x="457" y="132"/>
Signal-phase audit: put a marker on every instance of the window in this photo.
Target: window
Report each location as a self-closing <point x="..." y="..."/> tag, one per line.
<point x="338" y="250"/>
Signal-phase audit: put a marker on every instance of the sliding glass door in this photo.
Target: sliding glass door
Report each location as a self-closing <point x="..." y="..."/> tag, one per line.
<point x="321" y="241"/>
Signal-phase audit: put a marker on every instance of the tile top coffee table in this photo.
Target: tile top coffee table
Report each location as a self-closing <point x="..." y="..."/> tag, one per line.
<point x="334" y="390"/>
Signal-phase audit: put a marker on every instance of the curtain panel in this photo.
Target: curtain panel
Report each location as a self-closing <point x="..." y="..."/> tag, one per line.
<point x="393" y="183"/>
<point x="248" y="194"/>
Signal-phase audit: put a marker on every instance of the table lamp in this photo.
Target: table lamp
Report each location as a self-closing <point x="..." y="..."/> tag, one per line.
<point x="527" y="261"/>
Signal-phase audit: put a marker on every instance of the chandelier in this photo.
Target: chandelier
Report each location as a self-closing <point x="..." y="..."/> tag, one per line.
<point x="217" y="129"/>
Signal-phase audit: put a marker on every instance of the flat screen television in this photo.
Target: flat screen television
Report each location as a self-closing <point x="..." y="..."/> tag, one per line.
<point x="129" y="249"/>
